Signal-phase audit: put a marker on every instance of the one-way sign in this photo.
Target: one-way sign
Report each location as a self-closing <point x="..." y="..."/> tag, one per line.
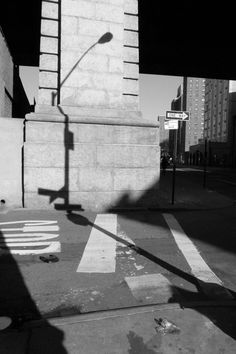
<point x="181" y="115"/>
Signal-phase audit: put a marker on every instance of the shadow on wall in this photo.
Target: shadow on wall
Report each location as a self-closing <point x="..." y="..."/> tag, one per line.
<point x="19" y="307"/>
<point x="63" y="193"/>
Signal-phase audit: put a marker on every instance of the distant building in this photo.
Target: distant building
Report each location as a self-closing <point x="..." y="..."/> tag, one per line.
<point x="164" y="136"/>
<point x="13" y="100"/>
<point x="177" y="137"/>
<point x="191" y="98"/>
<point x="219" y="124"/>
<point x="216" y="110"/>
<point x="194" y="91"/>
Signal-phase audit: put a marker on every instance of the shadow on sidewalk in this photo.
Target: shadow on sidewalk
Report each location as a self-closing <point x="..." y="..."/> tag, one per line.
<point x="178" y="294"/>
<point x="17" y="304"/>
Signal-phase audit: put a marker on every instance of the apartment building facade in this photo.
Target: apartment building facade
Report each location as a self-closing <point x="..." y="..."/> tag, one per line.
<point x="194" y="91"/>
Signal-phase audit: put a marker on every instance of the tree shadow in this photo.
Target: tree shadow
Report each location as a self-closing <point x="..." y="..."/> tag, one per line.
<point x="17" y="304"/>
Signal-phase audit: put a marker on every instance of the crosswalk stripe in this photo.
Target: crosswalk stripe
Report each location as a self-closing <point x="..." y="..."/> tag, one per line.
<point x="150" y="286"/>
<point x="197" y="264"/>
<point x="100" y="252"/>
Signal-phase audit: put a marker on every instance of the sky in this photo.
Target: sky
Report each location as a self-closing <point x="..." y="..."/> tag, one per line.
<point x="156" y="91"/>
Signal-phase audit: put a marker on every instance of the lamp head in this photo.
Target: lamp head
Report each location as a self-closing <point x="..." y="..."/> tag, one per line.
<point x="107" y="37"/>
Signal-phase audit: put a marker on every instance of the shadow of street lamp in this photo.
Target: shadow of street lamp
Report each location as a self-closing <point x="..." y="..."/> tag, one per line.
<point x="68" y="138"/>
<point x="105" y="38"/>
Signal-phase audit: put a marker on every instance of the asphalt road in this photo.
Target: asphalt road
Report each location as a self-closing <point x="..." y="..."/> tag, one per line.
<point x="138" y="260"/>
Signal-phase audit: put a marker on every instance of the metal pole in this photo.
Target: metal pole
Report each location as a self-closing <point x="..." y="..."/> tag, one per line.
<point x="173" y="184"/>
<point x="205" y="164"/>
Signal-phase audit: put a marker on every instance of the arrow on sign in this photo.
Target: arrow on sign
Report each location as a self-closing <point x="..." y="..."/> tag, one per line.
<point x="177" y="115"/>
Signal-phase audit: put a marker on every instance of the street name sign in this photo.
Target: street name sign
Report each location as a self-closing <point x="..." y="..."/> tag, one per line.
<point x="171" y="124"/>
<point x="180" y="115"/>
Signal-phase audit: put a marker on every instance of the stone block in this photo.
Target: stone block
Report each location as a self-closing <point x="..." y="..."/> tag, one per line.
<point x="131" y="22"/>
<point x="107" y="81"/>
<point x="69" y="25"/>
<point x="115" y="99"/>
<point x="90" y="97"/>
<point x="47" y="178"/>
<point x="68" y="96"/>
<point x="109" y="12"/>
<point x="53" y="155"/>
<point x="95" y="179"/>
<point x="78" y="79"/>
<point x="99" y="63"/>
<point x="131" y="6"/>
<point x="90" y="133"/>
<point x="131" y="86"/>
<point x="79" y="8"/>
<point x="113" y="48"/>
<point x="91" y="27"/>
<point x="11" y="143"/>
<point x="45" y="96"/>
<point x="131" y="38"/>
<point x="117" y="29"/>
<point x="135" y="179"/>
<point x="48" y="62"/>
<point x="127" y="156"/>
<point x="131" y="70"/>
<point x="131" y="102"/>
<point x="116" y="65"/>
<point x="131" y="54"/>
<point x="49" y="10"/>
<point x="49" y="27"/>
<point x="47" y="79"/>
<point x="49" y="45"/>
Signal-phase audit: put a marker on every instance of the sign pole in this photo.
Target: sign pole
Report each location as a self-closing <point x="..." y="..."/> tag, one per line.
<point x="173" y="185"/>
<point x="205" y="164"/>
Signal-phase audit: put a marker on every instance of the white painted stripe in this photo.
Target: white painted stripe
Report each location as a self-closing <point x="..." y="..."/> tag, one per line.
<point x="52" y="247"/>
<point x="29" y="222"/>
<point x="100" y="252"/>
<point x="150" y="286"/>
<point x="27" y="237"/>
<point x="32" y="228"/>
<point x="197" y="264"/>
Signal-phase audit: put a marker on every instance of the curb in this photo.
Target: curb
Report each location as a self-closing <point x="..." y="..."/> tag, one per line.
<point x="128" y="311"/>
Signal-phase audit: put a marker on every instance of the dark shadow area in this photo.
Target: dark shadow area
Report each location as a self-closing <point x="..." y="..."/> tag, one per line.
<point x="223" y="317"/>
<point x="17" y="303"/>
<point x="207" y="291"/>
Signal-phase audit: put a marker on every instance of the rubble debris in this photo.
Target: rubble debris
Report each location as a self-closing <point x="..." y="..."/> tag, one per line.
<point x="165" y="326"/>
<point x="50" y="258"/>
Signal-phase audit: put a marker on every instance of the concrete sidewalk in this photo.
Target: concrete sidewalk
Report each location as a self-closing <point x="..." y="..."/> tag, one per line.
<point x="189" y="195"/>
<point x="193" y="328"/>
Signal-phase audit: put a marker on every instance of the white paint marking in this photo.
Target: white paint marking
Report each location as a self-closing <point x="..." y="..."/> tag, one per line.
<point x="197" y="264"/>
<point x="30" y="222"/>
<point x="100" y="252"/>
<point x="32" y="228"/>
<point x="19" y="243"/>
<point x="53" y="246"/>
<point x="154" y="285"/>
<point x="27" y="237"/>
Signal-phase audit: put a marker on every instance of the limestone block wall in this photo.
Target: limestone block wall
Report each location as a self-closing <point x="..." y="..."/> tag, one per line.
<point x="11" y="143"/>
<point x="97" y="166"/>
<point x="107" y="76"/>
